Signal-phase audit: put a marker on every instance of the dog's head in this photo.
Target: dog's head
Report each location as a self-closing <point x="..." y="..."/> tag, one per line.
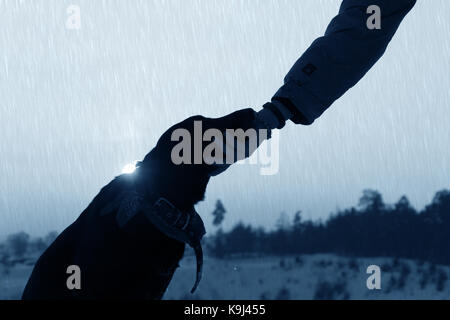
<point x="185" y="183"/>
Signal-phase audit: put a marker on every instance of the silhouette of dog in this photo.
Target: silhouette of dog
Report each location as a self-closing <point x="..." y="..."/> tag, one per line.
<point x="128" y="242"/>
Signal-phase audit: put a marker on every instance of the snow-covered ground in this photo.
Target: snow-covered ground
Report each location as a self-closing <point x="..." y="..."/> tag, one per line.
<point x="295" y="277"/>
<point x="13" y="281"/>
<point x="308" y="277"/>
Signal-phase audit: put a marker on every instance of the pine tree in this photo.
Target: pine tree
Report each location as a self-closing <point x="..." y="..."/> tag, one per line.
<point x="218" y="213"/>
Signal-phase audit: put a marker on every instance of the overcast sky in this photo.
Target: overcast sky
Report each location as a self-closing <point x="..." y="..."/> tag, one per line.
<point x="78" y="105"/>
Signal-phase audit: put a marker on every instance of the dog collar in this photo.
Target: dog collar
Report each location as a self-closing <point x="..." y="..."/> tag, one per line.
<point x="184" y="226"/>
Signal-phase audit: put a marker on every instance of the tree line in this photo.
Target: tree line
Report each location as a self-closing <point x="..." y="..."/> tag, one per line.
<point x="372" y="228"/>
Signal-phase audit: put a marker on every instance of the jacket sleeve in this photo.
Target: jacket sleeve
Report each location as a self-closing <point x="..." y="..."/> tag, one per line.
<point x="337" y="61"/>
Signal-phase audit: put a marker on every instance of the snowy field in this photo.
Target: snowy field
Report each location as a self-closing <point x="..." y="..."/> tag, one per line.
<point x="310" y="277"/>
<point x="13" y="281"/>
<point x="296" y="277"/>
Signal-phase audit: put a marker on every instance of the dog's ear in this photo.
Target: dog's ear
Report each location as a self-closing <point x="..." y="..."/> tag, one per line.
<point x="171" y="138"/>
